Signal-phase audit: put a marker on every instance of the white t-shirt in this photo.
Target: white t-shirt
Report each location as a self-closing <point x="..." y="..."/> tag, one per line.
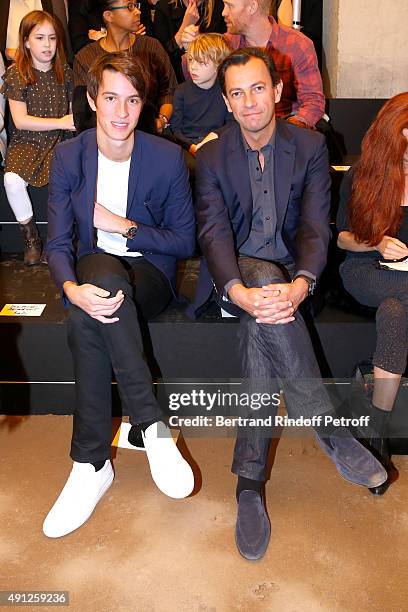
<point x="112" y="192"/>
<point x="19" y="9"/>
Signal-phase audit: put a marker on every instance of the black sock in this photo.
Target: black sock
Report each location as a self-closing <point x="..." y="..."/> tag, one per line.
<point x="247" y="484"/>
<point x="135" y="435"/>
<point x="98" y="465"/>
<point x="144" y="426"/>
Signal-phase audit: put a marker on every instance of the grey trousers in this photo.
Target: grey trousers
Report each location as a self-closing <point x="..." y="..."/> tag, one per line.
<point x="274" y="357"/>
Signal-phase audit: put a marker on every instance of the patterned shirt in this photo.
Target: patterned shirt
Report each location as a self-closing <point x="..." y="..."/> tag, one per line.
<point x="295" y="60"/>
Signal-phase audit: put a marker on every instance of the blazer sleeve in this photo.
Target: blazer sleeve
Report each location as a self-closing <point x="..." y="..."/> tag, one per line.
<point x="215" y="234"/>
<point x="174" y="235"/>
<point x="313" y="234"/>
<point x="59" y="247"/>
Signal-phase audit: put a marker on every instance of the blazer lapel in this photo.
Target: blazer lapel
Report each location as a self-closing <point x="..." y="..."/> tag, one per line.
<point x="134" y="171"/>
<point x="90" y="171"/>
<point x="284" y="163"/>
<point x="239" y="174"/>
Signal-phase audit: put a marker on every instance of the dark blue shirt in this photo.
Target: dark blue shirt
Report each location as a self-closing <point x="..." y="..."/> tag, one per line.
<point x="196" y="112"/>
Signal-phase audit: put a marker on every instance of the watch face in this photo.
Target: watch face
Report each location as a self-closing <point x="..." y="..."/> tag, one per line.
<point x="131" y="233"/>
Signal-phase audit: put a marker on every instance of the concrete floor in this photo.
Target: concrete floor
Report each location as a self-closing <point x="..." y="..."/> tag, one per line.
<point x="334" y="547"/>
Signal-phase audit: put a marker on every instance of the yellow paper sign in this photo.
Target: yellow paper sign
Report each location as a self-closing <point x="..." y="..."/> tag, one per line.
<point x="22" y="310"/>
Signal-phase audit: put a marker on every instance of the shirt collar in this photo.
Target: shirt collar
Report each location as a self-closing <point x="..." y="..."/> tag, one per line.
<point x="271" y="143"/>
<point x="272" y="39"/>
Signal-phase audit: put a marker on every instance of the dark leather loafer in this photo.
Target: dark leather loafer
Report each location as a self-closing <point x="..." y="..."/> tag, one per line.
<point x="253" y="529"/>
<point x="353" y="462"/>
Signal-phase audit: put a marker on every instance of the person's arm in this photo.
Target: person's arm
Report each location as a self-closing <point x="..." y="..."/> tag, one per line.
<point x="59" y="246"/>
<point x="80" y="69"/>
<point x="93" y="300"/>
<point x="10" y="54"/>
<point x="191" y="16"/>
<point x="313" y="235"/>
<point x="214" y="226"/>
<point x="175" y="236"/>
<point x="165" y="112"/>
<point x="285" y="13"/>
<point x="164" y="28"/>
<point x="166" y="78"/>
<point x="308" y="84"/>
<point x="23" y="121"/>
<point x="266" y="304"/>
<point x="388" y="247"/>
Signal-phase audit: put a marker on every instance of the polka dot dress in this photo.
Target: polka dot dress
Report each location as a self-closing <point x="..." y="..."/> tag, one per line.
<point x="29" y="153"/>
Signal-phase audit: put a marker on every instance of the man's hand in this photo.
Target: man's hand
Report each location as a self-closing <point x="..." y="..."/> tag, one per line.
<point x="392" y="248"/>
<point x="94" y="301"/>
<point x="272" y="304"/>
<point x="107" y="221"/>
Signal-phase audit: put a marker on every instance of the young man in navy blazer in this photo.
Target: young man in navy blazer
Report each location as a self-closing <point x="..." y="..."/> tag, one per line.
<point x="120" y="215"/>
<point x="262" y="204"/>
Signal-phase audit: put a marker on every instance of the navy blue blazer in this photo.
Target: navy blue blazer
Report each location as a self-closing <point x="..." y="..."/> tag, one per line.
<point x="159" y="200"/>
<point x="224" y="203"/>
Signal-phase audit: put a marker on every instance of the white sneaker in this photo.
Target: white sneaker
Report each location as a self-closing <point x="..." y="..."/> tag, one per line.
<point x="77" y="500"/>
<point x="170" y="472"/>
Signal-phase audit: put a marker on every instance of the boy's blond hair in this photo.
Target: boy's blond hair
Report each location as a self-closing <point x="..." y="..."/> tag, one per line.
<point x="209" y="47"/>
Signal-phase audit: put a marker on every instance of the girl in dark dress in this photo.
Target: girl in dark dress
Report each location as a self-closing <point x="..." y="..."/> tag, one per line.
<point x="172" y="16"/>
<point x="373" y="225"/>
<point x="39" y="88"/>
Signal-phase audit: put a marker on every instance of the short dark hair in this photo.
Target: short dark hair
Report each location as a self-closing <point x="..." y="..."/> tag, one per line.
<point x="240" y="57"/>
<point x="130" y="66"/>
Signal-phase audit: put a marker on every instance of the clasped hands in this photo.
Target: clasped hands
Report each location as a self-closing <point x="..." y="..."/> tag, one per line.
<point x="274" y="304"/>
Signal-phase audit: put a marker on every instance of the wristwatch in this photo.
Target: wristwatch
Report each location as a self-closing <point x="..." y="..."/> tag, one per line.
<point x="131" y="231"/>
<point x="310" y="282"/>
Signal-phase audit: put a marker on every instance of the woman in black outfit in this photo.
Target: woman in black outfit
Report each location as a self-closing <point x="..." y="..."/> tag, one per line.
<point x="172" y="16"/>
<point x="373" y="226"/>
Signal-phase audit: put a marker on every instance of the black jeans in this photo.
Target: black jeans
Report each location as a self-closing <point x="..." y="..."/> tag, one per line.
<point x="97" y="348"/>
<point x="274" y="357"/>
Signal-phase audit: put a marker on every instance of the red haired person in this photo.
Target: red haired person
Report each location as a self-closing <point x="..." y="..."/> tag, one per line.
<point x="38" y="88"/>
<point x="373" y="225"/>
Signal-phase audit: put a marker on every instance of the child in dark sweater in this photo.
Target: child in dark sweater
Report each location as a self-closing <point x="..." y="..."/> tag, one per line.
<point x="199" y="110"/>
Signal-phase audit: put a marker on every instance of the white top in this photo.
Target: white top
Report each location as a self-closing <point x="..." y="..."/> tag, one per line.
<point x="112" y="192"/>
<point x="18" y="10"/>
